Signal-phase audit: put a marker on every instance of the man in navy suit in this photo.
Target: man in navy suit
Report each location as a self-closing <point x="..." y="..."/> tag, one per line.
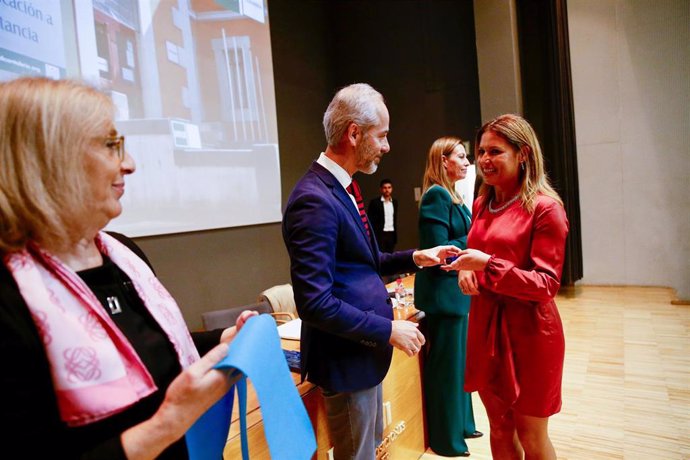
<point x="348" y="331"/>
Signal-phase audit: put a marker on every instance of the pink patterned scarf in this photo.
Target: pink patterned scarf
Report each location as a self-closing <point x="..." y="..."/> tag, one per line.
<point x="96" y="372"/>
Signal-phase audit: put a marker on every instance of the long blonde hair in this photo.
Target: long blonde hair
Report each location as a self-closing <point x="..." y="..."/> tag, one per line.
<point x="435" y="173"/>
<point x="520" y="134"/>
<point x="46" y="126"/>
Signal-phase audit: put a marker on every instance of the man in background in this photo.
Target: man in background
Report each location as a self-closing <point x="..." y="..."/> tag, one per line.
<point x="348" y="331"/>
<point x="383" y="213"/>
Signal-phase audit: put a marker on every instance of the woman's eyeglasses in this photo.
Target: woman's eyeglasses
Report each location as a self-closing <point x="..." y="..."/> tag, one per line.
<point x="116" y="144"/>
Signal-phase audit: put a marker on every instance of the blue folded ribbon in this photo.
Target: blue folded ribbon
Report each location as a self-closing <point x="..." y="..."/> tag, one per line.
<point x="256" y="353"/>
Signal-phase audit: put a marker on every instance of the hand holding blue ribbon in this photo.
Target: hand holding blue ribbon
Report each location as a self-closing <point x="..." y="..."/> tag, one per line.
<point x="256" y="353"/>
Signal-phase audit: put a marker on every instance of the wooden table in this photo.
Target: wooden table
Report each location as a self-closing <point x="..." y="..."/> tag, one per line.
<point x="403" y="436"/>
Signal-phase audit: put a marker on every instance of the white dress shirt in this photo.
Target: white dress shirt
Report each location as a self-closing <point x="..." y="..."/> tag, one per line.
<point x="340" y="174"/>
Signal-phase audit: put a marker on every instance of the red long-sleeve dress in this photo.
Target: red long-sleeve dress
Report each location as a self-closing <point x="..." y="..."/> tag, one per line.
<point x="515" y="343"/>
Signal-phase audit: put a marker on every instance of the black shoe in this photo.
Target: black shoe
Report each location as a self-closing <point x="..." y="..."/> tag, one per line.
<point x="463" y="454"/>
<point x="476" y="434"/>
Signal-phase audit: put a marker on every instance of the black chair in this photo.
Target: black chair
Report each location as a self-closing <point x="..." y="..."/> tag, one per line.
<point x="221" y="319"/>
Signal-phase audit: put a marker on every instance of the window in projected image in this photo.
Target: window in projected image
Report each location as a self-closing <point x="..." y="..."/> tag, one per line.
<point x="193" y="84"/>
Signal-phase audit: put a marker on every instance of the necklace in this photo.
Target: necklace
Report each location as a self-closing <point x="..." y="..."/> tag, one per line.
<point x="493" y="210"/>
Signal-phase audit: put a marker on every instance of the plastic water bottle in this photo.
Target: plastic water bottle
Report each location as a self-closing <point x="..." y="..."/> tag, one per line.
<point x="400" y="293"/>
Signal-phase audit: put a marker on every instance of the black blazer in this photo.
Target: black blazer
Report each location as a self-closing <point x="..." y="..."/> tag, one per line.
<point x="377" y="219"/>
<point x="27" y="394"/>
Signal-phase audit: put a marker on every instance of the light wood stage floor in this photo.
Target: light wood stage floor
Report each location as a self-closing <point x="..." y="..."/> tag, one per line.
<point x="626" y="386"/>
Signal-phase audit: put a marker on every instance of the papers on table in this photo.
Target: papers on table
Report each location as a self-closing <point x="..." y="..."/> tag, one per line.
<point x="290" y="330"/>
<point x="391" y="291"/>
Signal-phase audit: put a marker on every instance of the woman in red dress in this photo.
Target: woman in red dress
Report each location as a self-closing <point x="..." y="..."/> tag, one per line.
<point x="515" y="344"/>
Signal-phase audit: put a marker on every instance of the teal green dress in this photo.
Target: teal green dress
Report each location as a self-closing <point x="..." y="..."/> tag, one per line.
<point x="449" y="413"/>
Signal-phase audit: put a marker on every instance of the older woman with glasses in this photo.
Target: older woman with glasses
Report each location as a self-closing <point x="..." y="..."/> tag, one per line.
<point x="98" y="362"/>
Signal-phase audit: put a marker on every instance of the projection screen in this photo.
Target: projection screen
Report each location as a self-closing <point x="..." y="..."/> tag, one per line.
<point x="192" y="81"/>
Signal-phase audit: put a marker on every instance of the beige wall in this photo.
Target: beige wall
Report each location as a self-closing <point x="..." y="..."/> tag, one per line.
<point x="497" y="57"/>
<point x="631" y="84"/>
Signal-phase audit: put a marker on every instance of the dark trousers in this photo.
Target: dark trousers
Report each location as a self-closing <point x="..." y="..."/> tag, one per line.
<point x="449" y="413"/>
<point x="386" y="241"/>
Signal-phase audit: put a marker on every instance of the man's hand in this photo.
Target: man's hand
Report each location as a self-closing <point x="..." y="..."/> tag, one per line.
<point x="406" y="337"/>
<point x="434" y="256"/>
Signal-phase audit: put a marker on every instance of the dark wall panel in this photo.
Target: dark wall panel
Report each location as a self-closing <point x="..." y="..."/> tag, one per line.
<point x="548" y="105"/>
<point x="420" y="54"/>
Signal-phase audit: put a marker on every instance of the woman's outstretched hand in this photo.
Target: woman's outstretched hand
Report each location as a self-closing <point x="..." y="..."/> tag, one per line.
<point x="468" y="259"/>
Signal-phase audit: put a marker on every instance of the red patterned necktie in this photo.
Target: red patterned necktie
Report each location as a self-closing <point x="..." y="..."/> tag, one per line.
<point x="354" y="190"/>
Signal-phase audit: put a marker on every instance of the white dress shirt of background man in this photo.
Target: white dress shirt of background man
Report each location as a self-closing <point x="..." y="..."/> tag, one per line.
<point x="382" y="213"/>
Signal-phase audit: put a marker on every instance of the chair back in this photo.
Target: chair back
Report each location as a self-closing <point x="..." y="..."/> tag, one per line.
<point x="221" y="319"/>
<point x="281" y="298"/>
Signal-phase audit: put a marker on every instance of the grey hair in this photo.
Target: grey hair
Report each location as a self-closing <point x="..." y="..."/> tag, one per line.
<point x="356" y="103"/>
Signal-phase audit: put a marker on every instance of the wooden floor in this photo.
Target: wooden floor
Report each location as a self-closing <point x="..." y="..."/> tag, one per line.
<point x="626" y="386"/>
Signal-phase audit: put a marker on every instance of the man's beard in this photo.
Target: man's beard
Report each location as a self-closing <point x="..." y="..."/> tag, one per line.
<point x="363" y="152"/>
<point x="372" y="167"/>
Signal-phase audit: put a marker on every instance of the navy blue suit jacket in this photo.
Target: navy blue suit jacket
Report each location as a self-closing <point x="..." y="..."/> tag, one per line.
<point x="335" y="268"/>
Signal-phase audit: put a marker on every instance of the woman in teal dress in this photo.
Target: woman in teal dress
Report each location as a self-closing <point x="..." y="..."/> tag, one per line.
<point x="444" y="219"/>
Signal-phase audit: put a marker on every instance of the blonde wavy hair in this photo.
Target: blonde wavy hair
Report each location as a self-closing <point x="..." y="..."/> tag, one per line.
<point x="435" y="173"/>
<point x="46" y="126"/>
<point x="520" y="134"/>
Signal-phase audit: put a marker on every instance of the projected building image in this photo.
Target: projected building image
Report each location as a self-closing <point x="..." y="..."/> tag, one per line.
<point x="193" y="84"/>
